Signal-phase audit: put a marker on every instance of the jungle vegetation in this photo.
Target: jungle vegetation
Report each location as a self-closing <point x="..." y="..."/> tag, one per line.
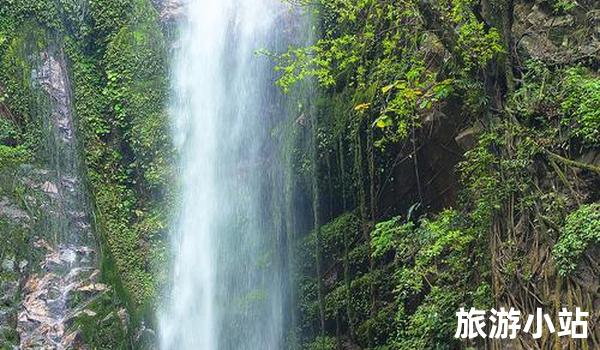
<point x="456" y="163"/>
<point x="448" y="153"/>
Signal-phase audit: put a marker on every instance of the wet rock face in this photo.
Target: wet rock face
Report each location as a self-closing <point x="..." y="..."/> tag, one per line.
<point x="12" y="212"/>
<point x="52" y="78"/>
<point x="49" y="274"/>
<point x="170" y="10"/>
<point x="48" y="307"/>
<point x="542" y="33"/>
<point x="62" y="279"/>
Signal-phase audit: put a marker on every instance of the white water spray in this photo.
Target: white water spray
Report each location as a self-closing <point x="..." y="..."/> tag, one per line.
<point x="225" y="292"/>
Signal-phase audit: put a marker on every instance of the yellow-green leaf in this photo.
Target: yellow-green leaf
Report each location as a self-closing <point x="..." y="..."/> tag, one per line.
<point x="383" y="122"/>
<point x="362" y="107"/>
<point x="387" y="88"/>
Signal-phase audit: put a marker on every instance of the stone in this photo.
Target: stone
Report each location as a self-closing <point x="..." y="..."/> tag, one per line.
<point x="467" y="138"/>
<point x="68" y="255"/>
<point x="52" y="77"/>
<point x="124" y="317"/>
<point x="8" y="291"/>
<point x="11" y="211"/>
<point x="8" y="264"/>
<point x="93" y="287"/>
<point x="94" y="276"/>
<point x="49" y="188"/>
<point x="69" y="340"/>
<point x="554" y="39"/>
<point x="89" y="313"/>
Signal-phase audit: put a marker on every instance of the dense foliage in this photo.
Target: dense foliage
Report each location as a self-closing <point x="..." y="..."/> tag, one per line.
<point x="581" y="231"/>
<point x="449" y="155"/>
<point x="401" y="77"/>
<point x="117" y="62"/>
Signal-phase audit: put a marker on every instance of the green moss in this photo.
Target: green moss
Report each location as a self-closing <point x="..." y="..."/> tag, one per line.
<point x="108" y="16"/>
<point x="45" y="12"/>
<point x="13" y="156"/>
<point x="9" y="135"/>
<point x="562" y="6"/>
<point x="102" y="329"/>
<point x="15" y="248"/>
<point x="24" y="102"/>
<point x="136" y="94"/>
<point x="117" y="58"/>
<point x="137" y="87"/>
<point x="16" y="74"/>
<point x="322" y="343"/>
<point x="119" y="103"/>
<point x="333" y="233"/>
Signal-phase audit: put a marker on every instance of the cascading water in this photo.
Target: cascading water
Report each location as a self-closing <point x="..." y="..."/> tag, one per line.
<point x="226" y="291"/>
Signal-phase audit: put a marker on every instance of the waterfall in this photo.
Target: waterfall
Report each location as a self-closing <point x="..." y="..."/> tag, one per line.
<point x="226" y="289"/>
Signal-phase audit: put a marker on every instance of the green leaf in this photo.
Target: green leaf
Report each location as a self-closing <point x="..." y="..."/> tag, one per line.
<point x="387" y="88"/>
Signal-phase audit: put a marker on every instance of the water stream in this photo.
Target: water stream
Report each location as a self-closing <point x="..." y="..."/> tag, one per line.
<point x="226" y="292"/>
